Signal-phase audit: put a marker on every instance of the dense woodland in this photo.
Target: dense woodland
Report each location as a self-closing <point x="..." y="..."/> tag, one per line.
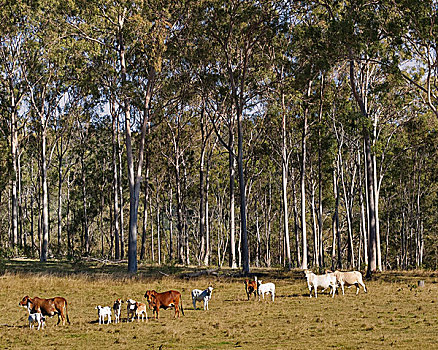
<point x="220" y="132"/>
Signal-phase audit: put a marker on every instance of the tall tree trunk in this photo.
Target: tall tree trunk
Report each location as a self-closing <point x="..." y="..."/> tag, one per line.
<point x="303" y="181"/>
<point x="85" y="205"/>
<point x="170" y="225"/>
<point x="134" y="175"/>
<point x="207" y="220"/>
<point x="285" y="166"/>
<point x="370" y="189"/>
<point x="70" y="252"/>
<point x="202" y="189"/>
<point x="297" y="235"/>
<point x="320" y="204"/>
<point x="158" y="230"/>
<point x="232" y="169"/>
<point x="45" y="198"/>
<point x="115" y="184"/>
<point x="179" y="212"/>
<point x="314" y="227"/>
<point x="152" y="232"/>
<point x="60" y="176"/>
<point x="14" y="194"/>
<point x="363" y="216"/>
<point x="372" y="243"/>
<point x="145" y="217"/>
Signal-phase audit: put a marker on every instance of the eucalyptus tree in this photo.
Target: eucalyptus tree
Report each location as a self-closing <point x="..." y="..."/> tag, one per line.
<point x="13" y="38"/>
<point x="137" y="31"/>
<point x="47" y="53"/>
<point x="240" y="32"/>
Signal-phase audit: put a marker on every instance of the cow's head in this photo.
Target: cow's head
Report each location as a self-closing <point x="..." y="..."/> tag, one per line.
<point x="149" y="295"/>
<point x="25" y="301"/>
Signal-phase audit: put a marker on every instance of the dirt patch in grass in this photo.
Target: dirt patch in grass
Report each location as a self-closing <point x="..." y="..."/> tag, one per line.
<point x="395" y="312"/>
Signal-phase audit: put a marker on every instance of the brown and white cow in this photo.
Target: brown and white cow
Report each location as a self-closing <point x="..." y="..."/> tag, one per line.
<point x="251" y="287"/>
<point x="48" y="307"/>
<point x="164" y="300"/>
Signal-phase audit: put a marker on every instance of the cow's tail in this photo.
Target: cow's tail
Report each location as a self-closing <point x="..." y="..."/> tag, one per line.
<point x="66" y="312"/>
<point x="182" y="309"/>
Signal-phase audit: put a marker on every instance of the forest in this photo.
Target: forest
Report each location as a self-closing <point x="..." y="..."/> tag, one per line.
<point x="236" y="133"/>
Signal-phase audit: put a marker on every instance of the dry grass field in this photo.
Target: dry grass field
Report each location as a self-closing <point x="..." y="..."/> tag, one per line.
<point x="395" y="313"/>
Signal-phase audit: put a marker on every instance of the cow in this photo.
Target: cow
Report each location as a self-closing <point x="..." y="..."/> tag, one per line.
<point x="201" y="295"/>
<point x="117" y="308"/>
<point x="164" y="300"/>
<point x="130" y="309"/>
<point x="251" y="287"/>
<point x="350" y="278"/>
<point x="323" y="281"/>
<point x="263" y="288"/>
<point x="33" y="318"/>
<point x="102" y="312"/>
<point x="140" y="309"/>
<point x="37" y="318"/>
<point x="48" y="307"/>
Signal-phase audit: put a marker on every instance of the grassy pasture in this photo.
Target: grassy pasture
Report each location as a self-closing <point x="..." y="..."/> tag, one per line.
<point x="393" y="314"/>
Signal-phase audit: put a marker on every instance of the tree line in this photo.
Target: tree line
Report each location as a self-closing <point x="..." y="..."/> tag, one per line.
<point x="220" y="132"/>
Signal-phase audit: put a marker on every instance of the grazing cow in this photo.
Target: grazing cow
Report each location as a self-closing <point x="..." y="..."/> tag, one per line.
<point x="350" y="278"/>
<point x="199" y="295"/>
<point x="251" y="287"/>
<point x="35" y="317"/>
<point x="164" y="300"/>
<point x="48" y="307"/>
<point x="322" y="281"/>
<point x="130" y="308"/>
<point x="140" y="309"/>
<point x="117" y="308"/>
<point x="102" y="312"/>
<point x="263" y="288"/>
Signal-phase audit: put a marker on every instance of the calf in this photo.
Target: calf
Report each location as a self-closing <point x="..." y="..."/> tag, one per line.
<point x="199" y="295"/>
<point x="117" y="308"/>
<point x="130" y="308"/>
<point x="251" y="287"/>
<point x="322" y="281"/>
<point x="350" y="278"/>
<point x="140" y="309"/>
<point x="36" y="317"/>
<point x="263" y="288"/>
<point x="164" y="300"/>
<point x="48" y="307"/>
<point x="102" y="312"/>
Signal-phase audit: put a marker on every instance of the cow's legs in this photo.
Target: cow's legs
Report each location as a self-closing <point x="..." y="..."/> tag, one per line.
<point x="194" y="303"/>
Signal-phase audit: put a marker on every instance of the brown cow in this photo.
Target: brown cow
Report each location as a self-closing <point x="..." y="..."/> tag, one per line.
<point x="164" y="300"/>
<point x="251" y="287"/>
<point x="48" y="307"/>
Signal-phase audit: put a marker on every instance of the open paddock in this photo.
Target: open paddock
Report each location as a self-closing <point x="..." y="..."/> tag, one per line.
<point x="394" y="313"/>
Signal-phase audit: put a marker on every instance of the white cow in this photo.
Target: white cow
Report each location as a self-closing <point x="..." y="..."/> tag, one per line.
<point x="349" y="279"/>
<point x="321" y="281"/>
<point x="202" y="295"/>
<point x="102" y="312"/>
<point x="263" y="288"/>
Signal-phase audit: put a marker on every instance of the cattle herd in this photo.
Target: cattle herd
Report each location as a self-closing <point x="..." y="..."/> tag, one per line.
<point x="39" y="308"/>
